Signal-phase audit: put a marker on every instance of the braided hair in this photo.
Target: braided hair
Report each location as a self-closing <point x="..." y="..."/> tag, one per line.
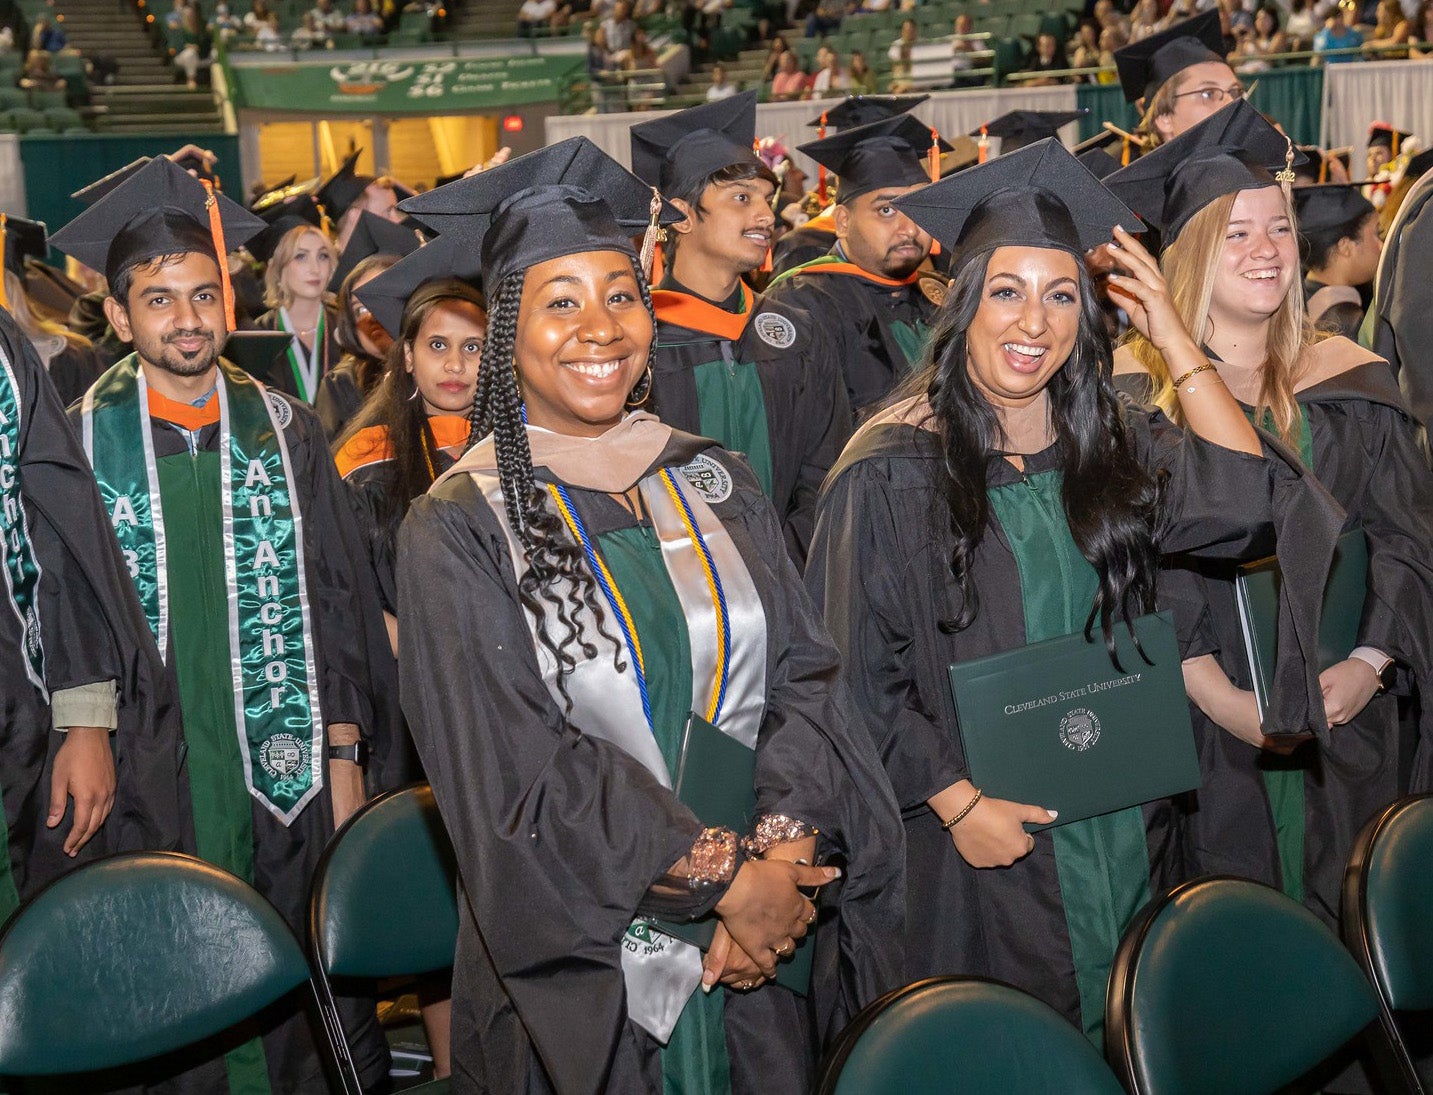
<point x="552" y="556"/>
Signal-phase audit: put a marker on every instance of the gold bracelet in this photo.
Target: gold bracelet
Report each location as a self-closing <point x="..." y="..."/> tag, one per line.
<point x="953" y="822"/>
<point x="1206" y="367"/>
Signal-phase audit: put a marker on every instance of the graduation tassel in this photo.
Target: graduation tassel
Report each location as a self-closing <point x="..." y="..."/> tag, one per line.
<point x="983" y="147"/>
<point x="821" y="168"/>
<point x="1124" y="151"/>
<point x="654" y="235"/>
<point x="4" y="297"/>
<point x="765" y="267"/>
<point x="1323" y="167"/>
<point x="216" y="231"/>
<point x="1286" y="177"/>
<point x="934" y="156"/>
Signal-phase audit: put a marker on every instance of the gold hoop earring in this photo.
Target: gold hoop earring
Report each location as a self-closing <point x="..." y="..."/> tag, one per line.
<point x="643" y="390"/>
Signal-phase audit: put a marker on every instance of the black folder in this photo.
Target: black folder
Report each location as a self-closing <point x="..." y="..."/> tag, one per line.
<point x="1256" y="588"/>
<point x="1057" y="724"/>
<point x="716" y="778"/>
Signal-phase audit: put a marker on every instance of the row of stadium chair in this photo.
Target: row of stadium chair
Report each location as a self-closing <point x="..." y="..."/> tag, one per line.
<point x="69" y="66"/>
<point x="57" y="119"/>
<point x="1220" y="985"/>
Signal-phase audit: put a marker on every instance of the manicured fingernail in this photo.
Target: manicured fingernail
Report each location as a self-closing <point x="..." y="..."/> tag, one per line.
<point x="833" y="872"/>
<point x="1053" y="814"/>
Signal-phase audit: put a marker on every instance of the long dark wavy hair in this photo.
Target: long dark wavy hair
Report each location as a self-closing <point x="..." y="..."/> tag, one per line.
<point x="552" y="555"/>
<point x="396" y="405"/>
<point x="368" y="370"/>
<point x="1110" y="501"/>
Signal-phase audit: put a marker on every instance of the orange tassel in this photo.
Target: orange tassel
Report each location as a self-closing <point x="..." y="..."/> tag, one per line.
<point x="221" y="252"/>
<point x="821" y="168"/>
<point x="984" y="147"/>
<point x="1124" y="153"/>
<point x="766" y="262"/>
<point x="934" y="156"/>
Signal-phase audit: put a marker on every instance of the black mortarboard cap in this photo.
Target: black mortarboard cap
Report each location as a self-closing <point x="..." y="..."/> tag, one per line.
<point x="1232" y="150"/>
<point x="889" y="153"/>
<point x="1381" y="133"/>
<point x="263" y="244"/>
<point x="560" y="200"/>
<point x="452" y="256"/>
<point x="24" y="239"/>
<point x="1100" y="163"/>
<point x="1019" y="128"/>
<point x="1419" y="165"/>
<point x="299" y="205"/>
<point x="1144" y="66"/>
<point x="864" y="109"/>
<point x="344" y="187"/>
<point x="1333" y="205"/>
<point x="1037" y="196"/>
<point x="259" y="353"/>
<point x="88" y="195"/>
<point x="676" y="152"/>
<point x="159" y="210"/>
<point x="374" y="235"/>
<point x="444" y="180"/>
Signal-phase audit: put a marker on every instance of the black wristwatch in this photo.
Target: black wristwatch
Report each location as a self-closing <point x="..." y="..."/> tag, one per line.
<point x="357" y="753"/>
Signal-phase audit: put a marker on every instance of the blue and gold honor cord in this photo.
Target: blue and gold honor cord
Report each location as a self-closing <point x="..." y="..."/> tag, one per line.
<point x="618" y="604"/>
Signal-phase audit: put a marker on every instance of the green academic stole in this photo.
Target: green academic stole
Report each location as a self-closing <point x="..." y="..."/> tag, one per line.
<point x="21" y="568"/>
<point x="307" y="368"/>
<point x="271" y="651"/>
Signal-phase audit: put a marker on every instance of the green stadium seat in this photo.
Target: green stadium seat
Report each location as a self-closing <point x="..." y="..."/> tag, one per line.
<point x="23" y="120"/>
<point x="7" y="121"/>
<point x="1024" y="26"/>
<point x="62" y="118"/>
<point x="11" y="97"/>
<point x="44" y="100"/>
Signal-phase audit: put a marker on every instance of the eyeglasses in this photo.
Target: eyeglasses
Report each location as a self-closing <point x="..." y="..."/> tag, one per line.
<point x="1215" y="95"/>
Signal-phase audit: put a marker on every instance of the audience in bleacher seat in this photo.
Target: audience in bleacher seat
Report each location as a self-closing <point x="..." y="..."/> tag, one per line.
<point x="789" y="82"/>
<point x="1049" y="56"/>
<point x="721" y="87"/>
<point x="829" y="78"/>
<point x="1340" y="32"/>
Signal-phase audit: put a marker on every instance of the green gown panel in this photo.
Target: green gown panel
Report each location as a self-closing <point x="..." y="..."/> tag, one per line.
<point x="1102" y="862"/>
<point x="695" y="1059"/>
<point x="199" y="641"/>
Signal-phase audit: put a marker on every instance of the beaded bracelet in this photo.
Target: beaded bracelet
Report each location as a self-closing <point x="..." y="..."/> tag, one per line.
<point x="953" y="822"/>
<point x="1206" y="367"/>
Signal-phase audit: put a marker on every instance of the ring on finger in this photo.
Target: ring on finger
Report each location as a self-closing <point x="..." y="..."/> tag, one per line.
<point x="812" y="918"/>
<point x="785" y="949"/>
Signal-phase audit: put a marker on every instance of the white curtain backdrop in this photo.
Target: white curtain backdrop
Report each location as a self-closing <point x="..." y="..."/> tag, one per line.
<point x="1397" y="92"/>
<point x="951" y="112"/>
<point x="12" y="176"/>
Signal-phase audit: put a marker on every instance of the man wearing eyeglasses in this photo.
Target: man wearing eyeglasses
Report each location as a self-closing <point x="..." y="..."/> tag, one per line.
<point x="1178" y="78"/>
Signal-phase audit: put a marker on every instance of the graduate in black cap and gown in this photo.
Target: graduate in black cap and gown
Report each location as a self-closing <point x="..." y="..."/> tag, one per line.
<point x="249" y="570"/>
<point x="1018" y="128"/>
<point x="586" y="584"/>
<point x="89" y="759"/>
<point x="1007" y="496"/>
<point x="1339" y="244"/>
<point x="870" y="294"/>
<point x="759" y="376"/>
<point x="1178" y="77"/>
<point x="1231" y="257"/>
<point x="817" y="236"/>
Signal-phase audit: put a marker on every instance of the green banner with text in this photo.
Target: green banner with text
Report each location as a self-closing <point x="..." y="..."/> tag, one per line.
<point x="438" y="86"/>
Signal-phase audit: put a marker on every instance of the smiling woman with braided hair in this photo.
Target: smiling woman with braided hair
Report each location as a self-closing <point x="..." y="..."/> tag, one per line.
<point x="609" y="663"/>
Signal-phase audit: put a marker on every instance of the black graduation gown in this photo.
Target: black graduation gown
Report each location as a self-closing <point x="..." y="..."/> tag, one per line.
<point x="1366" y="453"/>
<point x="73" y="370"/>
<point x="339" y="398"/>
<point x="880" y="570"/>
<point x="861" y="318"/>
<point x="355" y="685"/>
<point x="1400" y="323"/>
<point x="560" y="835"/>
<point x="807" y="417"/>
<point x="92" y="629"/>
<point x="799" y="246"/>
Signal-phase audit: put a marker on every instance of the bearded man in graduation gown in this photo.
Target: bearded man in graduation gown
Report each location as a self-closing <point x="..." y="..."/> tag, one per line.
<point x="89" y="762"/>
<point x="869" y="294"/>
<point x="755" y="375"/>
<point x="243" y="553"/>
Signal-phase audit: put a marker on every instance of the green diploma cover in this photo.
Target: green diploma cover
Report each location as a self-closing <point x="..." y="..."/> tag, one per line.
<point x="716" y="779"/>
<point x="1056" y="724"/>
<point x="1257" y="591"/>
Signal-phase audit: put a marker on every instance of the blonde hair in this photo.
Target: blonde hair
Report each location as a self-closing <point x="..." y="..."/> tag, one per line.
<point x="48" y="337"/>
<point x="1190" y="265"/>
<point x="276" y="293"/>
